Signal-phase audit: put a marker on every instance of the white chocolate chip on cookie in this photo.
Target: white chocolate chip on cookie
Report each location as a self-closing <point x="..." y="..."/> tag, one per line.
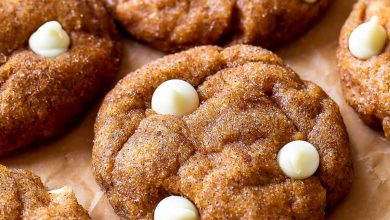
<point x="298" y="159"/>
<point x="62" y="190"/>
<point x="175" y="97"/>
<point x="368" y="39"/>
<point x="176" y="208"/>
<point x="50" y="40"/>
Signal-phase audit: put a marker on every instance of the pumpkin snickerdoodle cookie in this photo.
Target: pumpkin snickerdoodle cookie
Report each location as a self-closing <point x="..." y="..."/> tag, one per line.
<point x="173" y="25"/>
<point x="364" y="62"/>
<point x="55" y="58"/>
<point x="216" y="133"/>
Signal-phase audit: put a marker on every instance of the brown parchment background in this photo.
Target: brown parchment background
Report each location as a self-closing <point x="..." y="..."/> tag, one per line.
<point x="67" y="160"/>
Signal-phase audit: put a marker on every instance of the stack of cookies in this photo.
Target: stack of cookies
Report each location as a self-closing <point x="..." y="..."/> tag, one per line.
<point x="221" y="129"/>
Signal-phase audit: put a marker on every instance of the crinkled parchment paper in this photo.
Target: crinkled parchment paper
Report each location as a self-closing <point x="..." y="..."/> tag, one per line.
<point x="67" y="160"/>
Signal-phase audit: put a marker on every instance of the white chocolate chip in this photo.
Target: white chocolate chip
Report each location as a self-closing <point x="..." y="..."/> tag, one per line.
<point x="176" y="208"/>
<point x="50" y="40"/>
<point x="58" y="195"/>
<point x="175" y="97"/>
<point x="298" y="159"/>
<point x="62" y="190"/>
<point x="310" y="1"/>
<point x="368" y="39"/>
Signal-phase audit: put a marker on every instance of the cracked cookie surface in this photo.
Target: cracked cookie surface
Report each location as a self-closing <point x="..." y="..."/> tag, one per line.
<point x="366" y="83"/>
<point x="40" y="97"/>
<point x="23" y="196"/>
<point x="223" y="156"/>
<point x="173" y="25"/>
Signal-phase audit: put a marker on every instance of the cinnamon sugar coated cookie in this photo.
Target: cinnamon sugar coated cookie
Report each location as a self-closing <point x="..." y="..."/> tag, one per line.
<point x="22" y="196"/>
<point x="173" y="25"/>
<point x="223" y="156"/>
<point x="366" y="80"/>
<point x="55" y="58"/>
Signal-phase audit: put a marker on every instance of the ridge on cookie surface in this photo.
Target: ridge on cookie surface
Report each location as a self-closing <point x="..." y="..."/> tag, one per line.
<point x="222" y="156"/>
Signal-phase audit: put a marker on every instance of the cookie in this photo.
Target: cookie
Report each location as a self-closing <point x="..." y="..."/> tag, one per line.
<point x="223" y="156"/>
<point x="55" y="58"/>
<point x="180" y="24"/>
<point x="365" y="66"/>
<point x="23" y="196"/>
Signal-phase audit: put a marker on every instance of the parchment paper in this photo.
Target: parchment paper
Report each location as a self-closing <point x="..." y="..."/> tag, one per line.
<point x="67" y="160"/>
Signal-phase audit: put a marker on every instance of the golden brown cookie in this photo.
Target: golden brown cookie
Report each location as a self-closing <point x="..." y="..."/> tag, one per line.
<point x="223" y="156"/>
<point x="22" y="196"/>
<point x="39" y="96"/>
<point x="366" y="82"/>
<point x="172" y="25"/>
